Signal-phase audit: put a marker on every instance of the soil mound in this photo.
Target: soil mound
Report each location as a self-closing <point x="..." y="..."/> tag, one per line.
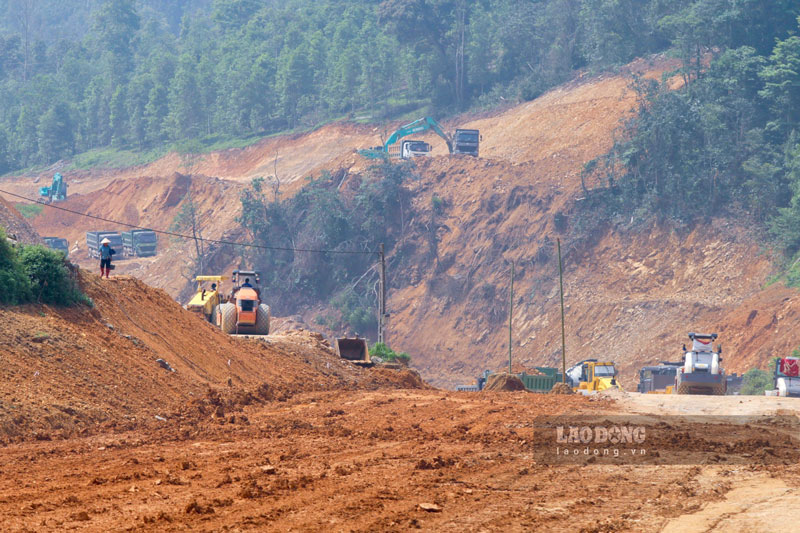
<point x="504" y="382"/>
<point x="16" y="226"/>
<point x="138" y="359"/>
<point x="561" y="388"/>
<point x="404" y="378"/>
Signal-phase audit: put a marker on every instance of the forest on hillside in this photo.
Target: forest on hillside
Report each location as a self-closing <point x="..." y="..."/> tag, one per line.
<point x="77" y="75"/>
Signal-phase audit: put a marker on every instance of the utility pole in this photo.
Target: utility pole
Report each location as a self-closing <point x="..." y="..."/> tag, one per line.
<point x="382" y="297"/>
<point x="510" y="314"/>
<point x="563" y="341"/>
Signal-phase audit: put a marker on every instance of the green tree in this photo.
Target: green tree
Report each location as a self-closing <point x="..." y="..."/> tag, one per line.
<point x="16" y="284"/>
<point x="55" y="136"/>
<point x="755" y="382"/>
<point x="115" y="24"/>
<point x="50" y="278"/>
<point x="185" y="119"/>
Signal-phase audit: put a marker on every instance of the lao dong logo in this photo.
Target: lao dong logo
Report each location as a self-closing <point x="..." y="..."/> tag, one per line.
<point x="600" y="435"/>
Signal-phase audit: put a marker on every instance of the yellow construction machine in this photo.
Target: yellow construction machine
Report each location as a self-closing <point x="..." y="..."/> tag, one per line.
<point x="208" y="296"/>
<point x="591" y="375"/>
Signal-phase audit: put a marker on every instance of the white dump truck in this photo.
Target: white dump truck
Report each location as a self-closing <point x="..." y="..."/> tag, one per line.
<point x="786" y="377"/>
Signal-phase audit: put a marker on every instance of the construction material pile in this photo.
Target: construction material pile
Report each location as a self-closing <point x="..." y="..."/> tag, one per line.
<point x="504" y="381"/>
<point x="561" y="388"/>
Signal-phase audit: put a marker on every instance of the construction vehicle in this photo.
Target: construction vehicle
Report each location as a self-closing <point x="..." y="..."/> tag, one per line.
<point x="94" y="239"/>
<point x="57" y="243"/>
<point x="701" y="372"/>
<point x="56" y="192"/>
<point x="354" y="350"/>
<point x="243" y="313"/>
<point x="466" y="142"/>
<point x="591" y="375"/>
<point x="139" y="243"/>
<point x="462" y="142"/>
<point x="658" y="379"/>
<point x="207" y="298"/>
<point x="543" y="381"/>
<point x="414" y="149"/>
<point x="786" y="377"/>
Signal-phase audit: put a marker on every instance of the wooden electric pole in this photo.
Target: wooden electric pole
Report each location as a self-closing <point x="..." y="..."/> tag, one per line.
<point x="510" y="314"/>
<point x="563" y="341"/>
<point x="382" y="297"/>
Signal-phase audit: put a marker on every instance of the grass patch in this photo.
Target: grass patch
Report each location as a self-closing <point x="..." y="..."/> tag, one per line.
<point x="114" y="158"/>
<point x="29" y="210"/>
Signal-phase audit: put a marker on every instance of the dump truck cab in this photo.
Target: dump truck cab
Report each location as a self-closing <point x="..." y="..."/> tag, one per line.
<point x="415" y="149"/>
<point x="658" y="378"/>
<point x="787" y="377"/>
<point x="208" y="296"/>
<point x="57" y="243"/>
<point x="702" y="372"/>
<point x="466" y="142"/>
<point x="591" y="375"/>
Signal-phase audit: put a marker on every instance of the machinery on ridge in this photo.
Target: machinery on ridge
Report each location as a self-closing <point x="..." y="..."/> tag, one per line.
<point x="701" y="372"/>
<point x="207" y="298"/>
<point x="464" y="141"/>
<point x="56" y="192"/>
<point x="243" y="312"/>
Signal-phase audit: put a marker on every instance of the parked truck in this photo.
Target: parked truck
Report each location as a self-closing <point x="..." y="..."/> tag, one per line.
<point x="466" y="142"/>
<point x="658" y="378"/>
<point x="93" y="239"/>
<point x="786" y="377"/>
<point x="139" y="243"/>
<point x="415" y="149"/>
<point x="57" y="243"/>
<point x="542" y="381"/>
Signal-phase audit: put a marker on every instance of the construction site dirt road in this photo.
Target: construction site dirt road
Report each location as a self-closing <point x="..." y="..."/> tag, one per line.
<point x="386" y="460"/>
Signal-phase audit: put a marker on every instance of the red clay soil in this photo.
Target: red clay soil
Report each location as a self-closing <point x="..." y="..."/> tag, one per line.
<point x="69" y="371"/>
<point x="15" y="225"/>
<point x="367" y="461"/>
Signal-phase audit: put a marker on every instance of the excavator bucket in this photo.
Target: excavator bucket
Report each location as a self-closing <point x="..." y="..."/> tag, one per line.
<point x="354" y="350"/>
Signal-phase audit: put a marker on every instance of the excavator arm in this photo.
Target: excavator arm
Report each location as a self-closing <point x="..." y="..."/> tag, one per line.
<point x="421" y="124"/>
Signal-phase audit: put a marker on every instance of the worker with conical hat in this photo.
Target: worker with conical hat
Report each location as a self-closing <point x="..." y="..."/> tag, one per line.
<point x="105" y="257"/>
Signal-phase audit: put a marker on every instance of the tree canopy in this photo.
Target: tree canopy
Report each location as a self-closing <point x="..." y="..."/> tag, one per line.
<point x="81" y="74"/>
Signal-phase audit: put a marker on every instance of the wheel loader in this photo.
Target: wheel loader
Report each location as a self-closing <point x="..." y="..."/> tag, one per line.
<point x="207" y="298"/>
<point x="701" y="372"/>
<point x="591" y="375"/>
<point x="242" y="312"/>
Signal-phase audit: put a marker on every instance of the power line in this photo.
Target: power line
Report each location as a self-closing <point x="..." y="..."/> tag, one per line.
<point x="182" y="236"/>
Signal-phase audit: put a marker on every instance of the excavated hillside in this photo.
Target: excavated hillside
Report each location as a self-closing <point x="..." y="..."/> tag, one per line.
<point x="15" y="226"/>
<point x="632" y="292"/>
<point x="139" y="360"/>
<point x="152" y="202"/>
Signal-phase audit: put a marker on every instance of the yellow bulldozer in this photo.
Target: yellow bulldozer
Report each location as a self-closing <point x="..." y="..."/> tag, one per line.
<point x="591" y="375"/>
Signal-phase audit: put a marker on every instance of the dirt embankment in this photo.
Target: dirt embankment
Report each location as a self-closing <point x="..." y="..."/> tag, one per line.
<point x="15" y="226"/>
<point x="72" y="371"/>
